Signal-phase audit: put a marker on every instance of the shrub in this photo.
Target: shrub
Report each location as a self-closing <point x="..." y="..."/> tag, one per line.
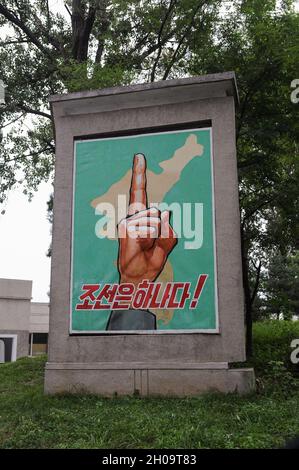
<point x="272" y="343"/>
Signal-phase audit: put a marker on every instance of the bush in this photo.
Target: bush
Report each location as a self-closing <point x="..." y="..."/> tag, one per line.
<point x="272" y="343"/>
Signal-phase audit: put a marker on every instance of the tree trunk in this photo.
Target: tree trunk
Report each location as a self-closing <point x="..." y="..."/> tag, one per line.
<point x="82" y="24"/>
<point x="247" y="294"/>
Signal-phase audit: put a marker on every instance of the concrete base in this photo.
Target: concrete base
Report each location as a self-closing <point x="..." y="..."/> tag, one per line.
<point x="168" y="379"/>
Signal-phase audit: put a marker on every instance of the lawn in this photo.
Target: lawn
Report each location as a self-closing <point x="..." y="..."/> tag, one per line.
<point x="28" y="419"/>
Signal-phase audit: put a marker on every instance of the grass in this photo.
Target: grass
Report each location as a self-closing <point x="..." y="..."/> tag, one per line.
<point x="28" y="419"/>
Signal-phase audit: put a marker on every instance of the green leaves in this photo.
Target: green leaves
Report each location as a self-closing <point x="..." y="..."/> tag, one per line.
<point x="281" y="285"/>
<point x="137" y="40"/>
<point x="258" y="41"/>
<point x="99" y="44"/>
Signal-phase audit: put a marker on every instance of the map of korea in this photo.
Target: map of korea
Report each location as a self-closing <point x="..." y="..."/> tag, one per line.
<point x="158" y="185"/>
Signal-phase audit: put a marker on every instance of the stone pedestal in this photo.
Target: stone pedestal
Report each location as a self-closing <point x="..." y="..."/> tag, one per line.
<point x="142" y="379"/>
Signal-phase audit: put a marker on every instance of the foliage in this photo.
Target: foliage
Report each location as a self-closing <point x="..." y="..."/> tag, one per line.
<point x="279" y="295"/>
<point x="84" y="45"/>
<point x="267" y="419"/>
<point x="259" y="42"/>
<point x="272" y="342"/>
<point x="91" y="44"/>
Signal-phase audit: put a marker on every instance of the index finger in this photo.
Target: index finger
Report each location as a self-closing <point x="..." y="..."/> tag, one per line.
<point x="138" y="196"/>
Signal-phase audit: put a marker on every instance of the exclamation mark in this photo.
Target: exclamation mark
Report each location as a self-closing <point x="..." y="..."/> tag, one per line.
<point x="198" y="290"/>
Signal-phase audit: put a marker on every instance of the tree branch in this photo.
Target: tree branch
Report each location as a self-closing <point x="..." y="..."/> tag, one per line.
<point x="67" y="9"/>
<point x="256" y="209"/>
<point x="104" y="26"/>
<point x="12" y="121"/>
<point x="181" y="41"/>
<point x="46" y="31"/>
<point x="250" y="92"/>
<point x="16" y="41"/>
<point x="10" y="16"/>
<point x="159" y="41"/>
<point x="33" y="154"/>
<point x="34" y="111"/>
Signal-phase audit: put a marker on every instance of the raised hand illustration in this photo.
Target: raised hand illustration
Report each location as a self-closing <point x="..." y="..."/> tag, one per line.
<point x="145" y="236"/>
<point x="155" y="187"/>
<point x="158" y="184"/>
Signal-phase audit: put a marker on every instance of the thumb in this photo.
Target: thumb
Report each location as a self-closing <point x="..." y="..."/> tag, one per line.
<point x="168" y="237"/>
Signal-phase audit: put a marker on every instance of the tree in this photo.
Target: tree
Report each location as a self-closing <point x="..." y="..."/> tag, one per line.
<point x="281" y="286"/>
<point x="259" y="42"/>
<point x="109" y="42"/>
<point x="90" y="44"/>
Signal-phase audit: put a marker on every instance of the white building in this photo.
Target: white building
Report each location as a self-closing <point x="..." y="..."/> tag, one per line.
<point x="24" y="325"/>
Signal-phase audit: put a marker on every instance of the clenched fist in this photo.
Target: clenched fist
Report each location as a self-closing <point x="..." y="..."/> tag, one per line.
<point x="145" y="236"/>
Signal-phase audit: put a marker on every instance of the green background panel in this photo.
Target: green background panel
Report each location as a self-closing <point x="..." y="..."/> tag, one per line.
<point x="100" y="163"/>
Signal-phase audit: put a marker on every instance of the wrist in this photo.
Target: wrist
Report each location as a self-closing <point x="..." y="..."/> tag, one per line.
<point x="130" y="280"/>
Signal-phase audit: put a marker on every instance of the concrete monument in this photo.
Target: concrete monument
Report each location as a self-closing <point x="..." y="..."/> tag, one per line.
<point x="146" y="283"/>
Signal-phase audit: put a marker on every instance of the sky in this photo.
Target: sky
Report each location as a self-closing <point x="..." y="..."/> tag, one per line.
<point x="25" y="239"/>
<point x="25" y="232"/>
